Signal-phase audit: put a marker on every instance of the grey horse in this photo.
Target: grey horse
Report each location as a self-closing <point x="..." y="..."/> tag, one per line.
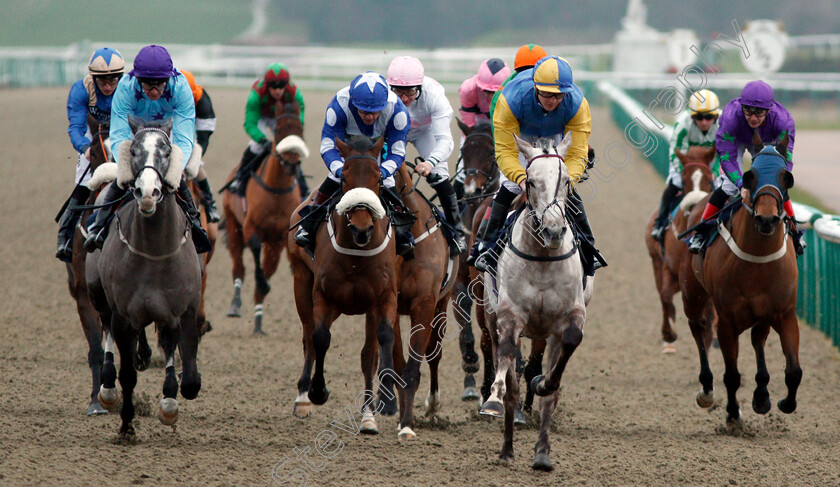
<point x="148" y="272"/>
<point x="536" y="292"/>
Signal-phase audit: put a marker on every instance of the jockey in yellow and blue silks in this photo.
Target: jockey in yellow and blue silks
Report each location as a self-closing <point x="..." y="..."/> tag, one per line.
<point x="92" y="96"/>
<point x="542" y="102"/>
<point x="365" y="108"/>
<point x="153" y="91"/>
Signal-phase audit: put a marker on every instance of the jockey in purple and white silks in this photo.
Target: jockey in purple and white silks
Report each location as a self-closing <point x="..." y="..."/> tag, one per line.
<point x="431" y="117"/>
<point x="92" y="96"/>
<point x="755" y="111"/>
<point x="153" y="91"/>
<point x="368" y="108"/>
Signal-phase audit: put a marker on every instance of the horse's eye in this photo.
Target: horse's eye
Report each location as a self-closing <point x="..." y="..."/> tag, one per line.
<point x="131" y="151"/>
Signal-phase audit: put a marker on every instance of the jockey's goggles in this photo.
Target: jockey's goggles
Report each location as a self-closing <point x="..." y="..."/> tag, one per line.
<point x="704" y="116"/>
<point x="277" y="85"/>
<point x="364" y="113"/>
<point x="409" y="91"/>
<point x="547" y="94"/>
<point x="748" y="110"/>
<point x="150" y="84"/>
<point x="108" y="79"/>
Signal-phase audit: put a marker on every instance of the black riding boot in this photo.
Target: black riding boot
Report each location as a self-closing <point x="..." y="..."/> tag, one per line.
<point x="98" y="230"/>
<point x="485" y="251"/>
<point x="199" y="236"/>
<point x="67" y="224"/>
<point x="208" y="201"/>
<point x="446" y="193"/>
<point x="591" y="259"/>
<point x="243" y="173"/>
<point x="304" y="187"/>
<point x="661" y="222"/>
<point x="402" y="219"/>
<point x="458" y="187"/>
<point x="312" y="215"/>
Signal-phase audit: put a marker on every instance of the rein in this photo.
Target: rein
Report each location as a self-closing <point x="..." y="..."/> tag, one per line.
<point x="356" y="252"/>
<point x="756" y="259"/>
<point x="136" y="251"/>
<point x="538" y="258"/>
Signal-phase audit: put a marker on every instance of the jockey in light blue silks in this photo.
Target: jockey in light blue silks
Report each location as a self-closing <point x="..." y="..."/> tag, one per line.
<point x="754" y="112"/>
<point x="153" y="91"/>
<point x="367" y="107"/>
<point x="92" y="96"/>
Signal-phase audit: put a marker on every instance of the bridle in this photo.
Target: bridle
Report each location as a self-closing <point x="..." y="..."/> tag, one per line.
<point x="553" y="202"/>
<point x="491" y="179"/>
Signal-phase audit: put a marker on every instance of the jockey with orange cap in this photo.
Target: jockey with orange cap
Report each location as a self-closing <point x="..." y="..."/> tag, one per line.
<point x="431" y="116"/>
<point x="205" y="124"/>
<point x="542" y="103"/>
<point x="276" y="85"/>
<point x="696" y="126"/>
<point x="92" y="96"/>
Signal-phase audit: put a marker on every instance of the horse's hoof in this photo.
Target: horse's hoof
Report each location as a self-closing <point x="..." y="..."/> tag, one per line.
<point x="95" y="409"/>
<point x="787" y="406"/>
<point x="141" y="363"/>
<point x="108" y="397"/>
<point x="432" y="403"/>
<point x="368" y="425"/>
<point x="493" y="408"/>
<point x="259" y="331"/>
<point x="762" y="407"/>
<point x="387" y="408"/>
<point x="302" y="407"/>
<point x="168" y="411"/>
<point x="668" y="348"/>
<point x="407" y="434"/>
<point x="235" y="311"/>
<point x="706" y="400"/>
<point x="127" y="432"/>
<point x="518" y="417"/>
<point x="715" y="343"/>
<point x="538" y="387"/>
<point x="542" y="462"/>
<point x="470" y="394"/>
<point x="319" y="397"/>
<point x="190" y="389"/>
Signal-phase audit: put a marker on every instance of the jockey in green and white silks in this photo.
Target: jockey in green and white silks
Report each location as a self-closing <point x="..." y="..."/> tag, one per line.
<point x="695" y="127"/>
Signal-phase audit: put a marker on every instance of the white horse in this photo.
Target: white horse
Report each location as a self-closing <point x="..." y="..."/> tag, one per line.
<point x="537" y="292"/>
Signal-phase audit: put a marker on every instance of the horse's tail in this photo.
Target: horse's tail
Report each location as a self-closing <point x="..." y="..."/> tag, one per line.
<point x="103" y="175"/>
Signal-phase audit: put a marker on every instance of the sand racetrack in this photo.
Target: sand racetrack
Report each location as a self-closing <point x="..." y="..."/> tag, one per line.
<point x="627" y="414"/>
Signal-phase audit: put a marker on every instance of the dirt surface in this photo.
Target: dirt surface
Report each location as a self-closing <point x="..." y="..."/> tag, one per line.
<point x="627" y="413"/>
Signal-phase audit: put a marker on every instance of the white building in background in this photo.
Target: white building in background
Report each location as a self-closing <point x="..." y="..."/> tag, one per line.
<point x="639" y="48"/>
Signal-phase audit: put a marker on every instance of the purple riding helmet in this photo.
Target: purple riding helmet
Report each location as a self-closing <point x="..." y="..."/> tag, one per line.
<point x="153" y="62"/>
<point x="757" y="94"/>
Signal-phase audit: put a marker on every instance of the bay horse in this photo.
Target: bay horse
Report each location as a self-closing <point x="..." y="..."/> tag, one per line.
<point x="212" y="230"/>
<point x="261" y="218"/>
<point x="148" y="271"/>
<point x="481" y="182"/>
<point x="667" y="256"/>
<point x="425" y="285"/>
<point x="88" y="316"/>
<point x="537" y="292"/>
<point x="750" y="276"/>
<point x="353" y="272"/>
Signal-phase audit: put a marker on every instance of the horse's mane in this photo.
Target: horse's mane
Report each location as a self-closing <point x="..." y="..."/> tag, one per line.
<point x="360" y="143"/>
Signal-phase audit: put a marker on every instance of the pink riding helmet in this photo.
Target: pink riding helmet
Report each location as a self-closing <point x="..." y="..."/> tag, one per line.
<point x="491" y="74"/>
<point x="405" y="71"/>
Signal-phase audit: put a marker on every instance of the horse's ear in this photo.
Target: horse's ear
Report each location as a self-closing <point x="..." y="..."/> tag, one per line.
<point x="462" y="126"/>
<point x="785" y="178"/>
<point x="757" y="142"/>
<point x="521" y="144"/>
<point x="782" y="146"/>
<point x="343" y="148"/>
<point x="167" y="125"/>
<point x="135" y="123"/>
<point x="564" y="145"/>
<point x="710" y="154"/>
<point x="93" y="125"/>
<point x="377" y="147"/>
<point x="750" y="180"/>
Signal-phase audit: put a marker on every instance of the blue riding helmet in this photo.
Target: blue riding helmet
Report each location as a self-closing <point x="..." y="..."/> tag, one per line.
<point x="369" y="92"/>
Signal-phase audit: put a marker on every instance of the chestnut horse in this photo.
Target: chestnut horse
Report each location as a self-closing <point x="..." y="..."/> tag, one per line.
<point x="353" y="272"/>
<point x="750" y="276"/>
<point x="481" y="182"/>
<point x="261" y="218"/>
<point x="425" y="286"/>
<point x="667" y="256"/>
<point x="212" y="230"/>
<point x="89" y="317"/>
